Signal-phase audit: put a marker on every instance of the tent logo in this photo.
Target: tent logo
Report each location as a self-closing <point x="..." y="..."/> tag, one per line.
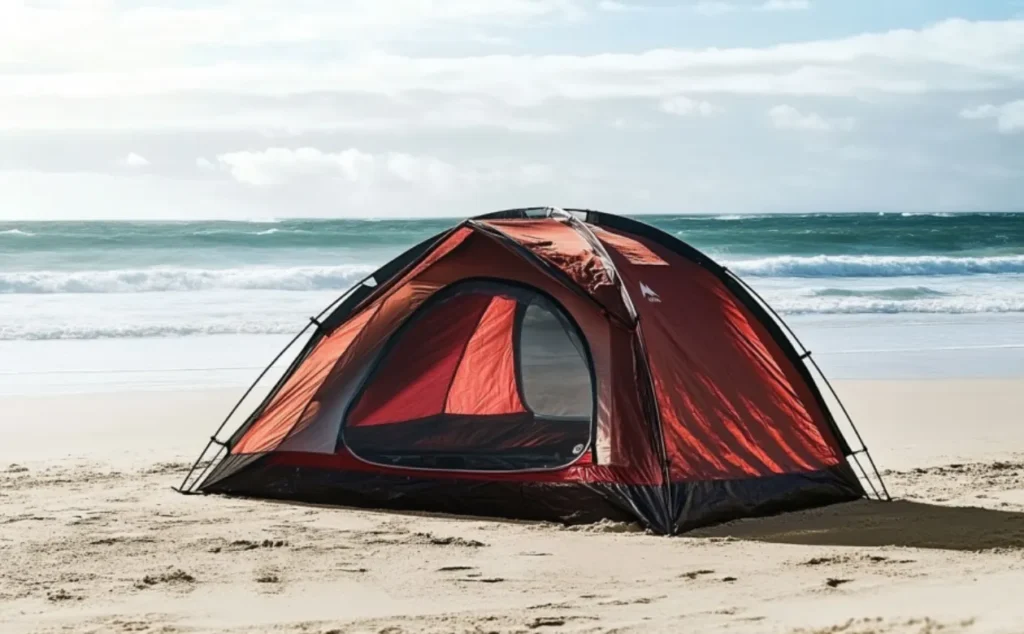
<point x="649" y="294"/>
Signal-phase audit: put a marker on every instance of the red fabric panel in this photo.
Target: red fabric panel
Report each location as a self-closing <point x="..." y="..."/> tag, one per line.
<point x="283" y="412"/>
<point x="730" y="402"/>
<point x="485" y="382"/>
<point x="563" y="247"/>
<point x="297" y="397"/>
<point x="630" y="249"/>
<point x="412" y="381"/>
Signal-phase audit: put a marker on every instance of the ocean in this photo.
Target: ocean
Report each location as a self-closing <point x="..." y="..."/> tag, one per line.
<point x="93" y="305"/>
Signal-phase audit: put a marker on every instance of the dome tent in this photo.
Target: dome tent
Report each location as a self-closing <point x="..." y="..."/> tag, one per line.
<point x="553" y="365"/>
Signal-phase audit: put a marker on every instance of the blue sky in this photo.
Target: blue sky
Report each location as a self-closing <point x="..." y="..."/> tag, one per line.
<point x="236" y="109"/>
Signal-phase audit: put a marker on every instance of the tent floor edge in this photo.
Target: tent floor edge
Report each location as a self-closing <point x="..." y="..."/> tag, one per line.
<point x="567" y="503"/>
<point x="711" y="502"/>
<point x="695" y="504"/>
<point x="228" y="466"/>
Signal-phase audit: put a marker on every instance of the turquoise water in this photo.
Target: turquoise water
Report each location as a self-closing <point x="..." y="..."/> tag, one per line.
<point x="101" y="280"/>
<point x="114" y="305"/>
<point x="27" y="245"/>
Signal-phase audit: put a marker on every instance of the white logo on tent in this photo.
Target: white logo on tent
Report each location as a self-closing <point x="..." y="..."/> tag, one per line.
<point x="649" y="294"/>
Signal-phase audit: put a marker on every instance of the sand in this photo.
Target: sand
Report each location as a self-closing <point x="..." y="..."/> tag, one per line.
<point x="93" y="539"/>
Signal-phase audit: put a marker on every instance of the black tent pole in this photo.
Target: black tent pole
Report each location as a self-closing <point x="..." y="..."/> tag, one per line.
<point x="213" y="439"/>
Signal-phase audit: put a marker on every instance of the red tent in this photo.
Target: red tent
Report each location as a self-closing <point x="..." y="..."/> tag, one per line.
<point x="542" y="364"/>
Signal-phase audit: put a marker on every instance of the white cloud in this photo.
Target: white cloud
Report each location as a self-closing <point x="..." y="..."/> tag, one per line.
<point x="613" y="6"/>
<point x="785" y="5"/>
<point x="205" y="164"/>
<point x="94" y="32"/>
<point x="1009" y="116"/>
<point x="353" y="167"/>
<point x="275" y="166"/>
<point x="684" y="107"/>
<point x="723" y="7"/>
<point x="952" y="56"/>
<point x="135" y="161"/>
<point x="714" y="7"/>
<point x="786" y="117"/>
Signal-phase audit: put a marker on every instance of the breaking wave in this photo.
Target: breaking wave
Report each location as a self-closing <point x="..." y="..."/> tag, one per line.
<point x="876" y="304"/>
<point x="877" y="266"/>
<point x="916" y="292"/>
<point x="308" y="278"/>
<point x="44" y="332"/>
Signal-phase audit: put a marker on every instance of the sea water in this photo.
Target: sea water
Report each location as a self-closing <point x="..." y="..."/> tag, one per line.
<point x="114" y="305"/>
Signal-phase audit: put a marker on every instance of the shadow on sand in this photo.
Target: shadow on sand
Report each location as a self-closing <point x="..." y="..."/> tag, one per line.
<point x="872" y="523"/>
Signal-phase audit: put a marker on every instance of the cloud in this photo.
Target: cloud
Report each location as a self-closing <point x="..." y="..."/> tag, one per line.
<point x="98" y="31"/>
<point x="785" y="5"/>
<point x="786" y="117"/>
<point x="319" y="107"/>
<point x="355" y="168"/>
<point x="714" y="7"/>
<point x="275" y="166"/>
<point x="1009" y="116"/>
<point x="722" y="7"/>
<point x="614" y="7"/>
<point x="952" y="56"/>
<point x="685" y="107"/>
<point x="135" y="161"/>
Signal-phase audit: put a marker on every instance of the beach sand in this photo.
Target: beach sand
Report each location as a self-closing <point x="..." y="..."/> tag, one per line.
<point x="93" y="538"/>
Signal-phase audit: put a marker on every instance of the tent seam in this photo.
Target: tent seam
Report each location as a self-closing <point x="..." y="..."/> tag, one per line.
<point x="594" y="241"/>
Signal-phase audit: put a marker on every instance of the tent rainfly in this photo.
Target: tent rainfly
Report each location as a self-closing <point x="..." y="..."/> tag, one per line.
<point x="546" y="364"/>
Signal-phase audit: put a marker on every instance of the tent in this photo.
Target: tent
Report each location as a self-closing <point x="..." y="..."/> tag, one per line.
<point x="550" y="365"/>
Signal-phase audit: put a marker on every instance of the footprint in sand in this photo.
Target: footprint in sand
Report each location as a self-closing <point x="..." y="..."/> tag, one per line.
<point x="172" y="577"/>
<point x="696" y="573"/>
<point x="546" y="621"/>
<point x="241" y="545"/>
<point x="61" y="594"/>
<point x="638" y="601"/>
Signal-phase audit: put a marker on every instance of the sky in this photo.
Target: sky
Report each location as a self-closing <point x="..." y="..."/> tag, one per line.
<point x="255" y="109"/>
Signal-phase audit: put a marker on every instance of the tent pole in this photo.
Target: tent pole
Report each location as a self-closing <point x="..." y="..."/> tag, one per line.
<point x="213" y="460"/>
<point x="184" y="488"/>
<point x="852" y="426"/>
<point x="213" y="438"/>
<point x="805" y="356"/>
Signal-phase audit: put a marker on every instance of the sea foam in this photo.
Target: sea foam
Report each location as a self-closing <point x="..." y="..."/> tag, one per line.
<point x="876" y="266"/>
<point x="165" y="279"/>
